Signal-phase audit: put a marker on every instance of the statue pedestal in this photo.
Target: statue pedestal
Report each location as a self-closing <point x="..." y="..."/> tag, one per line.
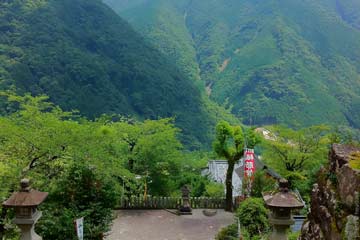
<point x="280" y="228"/>
<point x="27" y="227"/>
<point x="185" y="209"/>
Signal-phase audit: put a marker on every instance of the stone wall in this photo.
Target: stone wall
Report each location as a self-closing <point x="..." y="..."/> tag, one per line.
<point x="335" y="200"/>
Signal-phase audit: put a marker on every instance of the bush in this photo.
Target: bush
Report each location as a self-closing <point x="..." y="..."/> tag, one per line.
<point x="215" y="190"/>
<point x="228" y="233"/>
<point x="293" y="235"/>
<point x="253" y="216"/>
<point x="195" y="181"/>
<point x="81" y="193"/>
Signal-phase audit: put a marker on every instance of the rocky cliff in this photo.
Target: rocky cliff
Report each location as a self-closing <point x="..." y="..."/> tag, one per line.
<point x="335" y="200"/>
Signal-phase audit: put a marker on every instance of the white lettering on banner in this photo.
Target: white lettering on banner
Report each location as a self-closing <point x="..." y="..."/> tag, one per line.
<point x="249" y="166"/>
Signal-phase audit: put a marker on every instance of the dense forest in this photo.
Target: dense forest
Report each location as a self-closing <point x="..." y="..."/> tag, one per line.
<point x="105" y="100"/>
<point x="294" y="62"/>
<point x="87" y="165"/>
<point x="85" y="57"/>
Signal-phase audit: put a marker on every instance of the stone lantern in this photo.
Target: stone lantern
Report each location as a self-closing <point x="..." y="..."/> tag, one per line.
<point x="25" y="203"/>
<point x="185" y="209"/>
<point x="281" y="203"/>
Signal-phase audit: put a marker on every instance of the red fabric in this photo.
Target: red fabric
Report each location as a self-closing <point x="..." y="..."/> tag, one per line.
<point x="249" y="164"/>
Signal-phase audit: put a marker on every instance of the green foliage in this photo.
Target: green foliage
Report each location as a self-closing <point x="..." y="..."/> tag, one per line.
<point x="293" y="235"/>
<point x="85" y="57"/>
<point x="345" y="135"/>
<point x="297" y="154"/>
<point x="261" y="183"/>
<point x="229" y="144"/>
<point x="293" y="62"/>
<point x="85" y="164"/>
<point x="231" y="233"/>
<point x="153" y="151"/>
<point x="192" y="163"/>
<point x="215" y="190"/>
<point x="194" y="180"/>
<point x="348" y="12"/>
<point x="41" y="142"/>
<point x="355" y="161"/>
<point x="82" y="192"/>
<point x="296" y="150"/>
<point x="253" y="216"/>
<point x="228" y="233"/>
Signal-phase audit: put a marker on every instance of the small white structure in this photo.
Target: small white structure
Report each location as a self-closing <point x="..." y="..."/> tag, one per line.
<point x="217" y="169"/>
<point x="217" y="172"/>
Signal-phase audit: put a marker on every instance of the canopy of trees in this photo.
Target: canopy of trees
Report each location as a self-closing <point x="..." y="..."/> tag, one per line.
<point x="84" y="164"/>
<point x="85" y="57"/>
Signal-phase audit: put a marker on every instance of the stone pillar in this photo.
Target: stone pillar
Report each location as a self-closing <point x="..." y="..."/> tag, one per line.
<point x="281" y="203"/>
<point x="280" y="226"/>
<point x="25" y="203"/>
<point x="27" y="227"/>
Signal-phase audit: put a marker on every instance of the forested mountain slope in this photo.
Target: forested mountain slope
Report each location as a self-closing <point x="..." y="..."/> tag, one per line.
<point x="85" y="57"/>
<point x="349" y="10"/>
<point x="295" y="62"/>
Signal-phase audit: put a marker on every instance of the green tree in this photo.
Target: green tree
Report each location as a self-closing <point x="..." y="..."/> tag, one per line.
<point x="297" y="154"/>
<point x="41" y="142"/>
<point x="261" y="183"/>
<point x="230" y="144"/>
<point x="82" y="192"/>
<point x="253" y="216"/>
<point x="296" y="150"/>
<point x="153" y="151"/>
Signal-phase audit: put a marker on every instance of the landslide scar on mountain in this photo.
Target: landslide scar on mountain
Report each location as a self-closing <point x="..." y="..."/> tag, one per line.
<point x="224" y="64"/>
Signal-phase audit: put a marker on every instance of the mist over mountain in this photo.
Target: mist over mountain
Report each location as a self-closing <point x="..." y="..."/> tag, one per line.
<point x="295" y="62"/>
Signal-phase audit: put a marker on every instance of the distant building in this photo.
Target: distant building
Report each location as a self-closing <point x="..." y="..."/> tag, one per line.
<point x="216" y="171"/>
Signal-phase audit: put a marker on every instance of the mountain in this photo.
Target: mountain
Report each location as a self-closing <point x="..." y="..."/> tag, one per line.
<point x="85" y="57"/>
<point x="295" y="62"/>
<point x="349" y="11"/>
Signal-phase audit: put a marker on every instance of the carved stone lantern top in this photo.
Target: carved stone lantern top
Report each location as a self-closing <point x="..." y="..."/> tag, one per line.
<point x="26" y="197"/>
<point x="282" y="198"/>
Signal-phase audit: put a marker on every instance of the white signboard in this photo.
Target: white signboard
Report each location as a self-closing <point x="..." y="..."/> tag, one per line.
<point x="79" y="224"/>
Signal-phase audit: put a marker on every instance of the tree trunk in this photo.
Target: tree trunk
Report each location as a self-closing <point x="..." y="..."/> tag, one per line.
<point x="229" y="188"/>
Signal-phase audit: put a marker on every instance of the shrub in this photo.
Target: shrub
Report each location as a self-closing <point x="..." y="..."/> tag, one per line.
<point x="253" y="216"/>
<point x="293" y="235"/>
<point x="215" y="190"/>
<point x="228" y="233"/>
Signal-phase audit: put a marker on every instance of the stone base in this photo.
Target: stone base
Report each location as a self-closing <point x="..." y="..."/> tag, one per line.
<point x="185" y="211"/>
<point x="27" y="227"/>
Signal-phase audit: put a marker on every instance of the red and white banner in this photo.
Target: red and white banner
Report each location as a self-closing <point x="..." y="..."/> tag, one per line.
<point x="249" y="163"/>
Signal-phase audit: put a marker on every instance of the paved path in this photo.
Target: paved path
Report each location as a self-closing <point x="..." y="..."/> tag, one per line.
<point x="162" y="225"/>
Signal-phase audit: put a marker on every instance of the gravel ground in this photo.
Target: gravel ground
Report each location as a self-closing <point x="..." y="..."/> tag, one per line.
<point x="163" y="225"/>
